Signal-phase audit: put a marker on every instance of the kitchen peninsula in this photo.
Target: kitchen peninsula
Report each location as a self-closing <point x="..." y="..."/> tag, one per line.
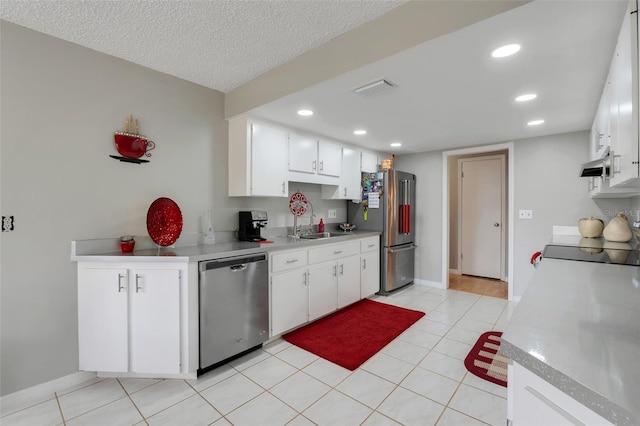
<point x="574" y="340"/>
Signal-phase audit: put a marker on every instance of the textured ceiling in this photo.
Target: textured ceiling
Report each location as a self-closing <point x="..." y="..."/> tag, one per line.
<point x="220" y="44"/>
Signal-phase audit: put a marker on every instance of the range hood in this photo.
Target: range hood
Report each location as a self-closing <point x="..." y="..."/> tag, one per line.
<point x="597" y="168"/>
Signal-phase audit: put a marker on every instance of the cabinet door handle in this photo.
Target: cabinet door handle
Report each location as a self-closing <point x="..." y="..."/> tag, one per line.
<point x="337" y="252"/>
<point x="138" y="288"/>
<point x="372" y="245"/>
<point x="304" y="278"/>
<point x="342" y="269"/>
<point x="335" y="270"/>
<point x="292" y="261"/>
<point x="120" y="286"/>
<point x="283" y="187"/>
<point x="313" y="165"/>
<point x="321" y="165"/>
<point x="345" y="191"/>
<point x="364" y="263"/>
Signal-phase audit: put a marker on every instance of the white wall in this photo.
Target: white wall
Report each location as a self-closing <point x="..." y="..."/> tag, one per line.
<point x="546" y="181"/>
<point x="61" y="104"/>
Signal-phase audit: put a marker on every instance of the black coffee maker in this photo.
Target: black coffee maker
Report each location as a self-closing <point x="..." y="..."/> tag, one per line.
<point x="250" y="224"/>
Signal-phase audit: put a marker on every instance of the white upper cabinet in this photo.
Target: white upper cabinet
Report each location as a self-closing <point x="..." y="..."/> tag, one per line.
<point x="314" y="161"/>
<point x="303" y="153"/>
<point x="349" y="187"/>
<point x="623" y="116"/>
<point x="329" y="158"/>
<point x="368" y="162"/>
<point x="257" y="159"/>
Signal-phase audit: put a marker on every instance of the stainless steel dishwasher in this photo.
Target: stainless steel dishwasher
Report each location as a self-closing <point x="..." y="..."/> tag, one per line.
<point x="234" y="307"/>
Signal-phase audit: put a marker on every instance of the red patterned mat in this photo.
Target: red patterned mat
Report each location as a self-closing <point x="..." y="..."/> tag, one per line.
<point x="485" y="359"/>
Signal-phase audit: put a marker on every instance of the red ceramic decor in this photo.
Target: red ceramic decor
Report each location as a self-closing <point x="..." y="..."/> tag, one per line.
<point x="164" y="221"/>
<point x="133" y="146"/>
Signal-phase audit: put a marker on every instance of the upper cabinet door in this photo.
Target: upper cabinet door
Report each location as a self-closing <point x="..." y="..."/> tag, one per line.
<point x="368" y="162"/>
<point x="303" y="153"/>
<point x="268" y="161"/>
<point x="329" y="158"/>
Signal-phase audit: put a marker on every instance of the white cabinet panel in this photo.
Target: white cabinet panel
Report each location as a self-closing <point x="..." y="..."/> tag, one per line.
<point x="350" y="185"/>
<point x="348" y="281"/>
<point x="536" y="402"/>
<point x="129" y="320"/>
<point x="323" y="289"/>
<point x="257" y="159"/>
<point x="370" y="273"/>
<point x="303" y="153"/>
<point x="289" y="300"/>
<point x="329" y="158"/>
<point x="103" y="320"/>
<point x="368" y="162"/>
<point x="155" y="321"/>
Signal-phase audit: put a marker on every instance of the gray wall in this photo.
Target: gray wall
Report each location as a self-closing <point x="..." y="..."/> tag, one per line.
<point x="61" y="104"/>
<point x="546" y="181"/>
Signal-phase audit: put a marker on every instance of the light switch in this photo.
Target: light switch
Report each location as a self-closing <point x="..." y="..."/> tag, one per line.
<point x="332" y="214"/>
<point x="526" y="214"/>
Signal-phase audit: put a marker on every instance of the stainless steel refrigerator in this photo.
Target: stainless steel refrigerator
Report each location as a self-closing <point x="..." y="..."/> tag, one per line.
<point x="388" y="206"/>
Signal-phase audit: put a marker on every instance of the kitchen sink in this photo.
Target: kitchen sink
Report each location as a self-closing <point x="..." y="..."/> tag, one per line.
<point x="322" y="235"/>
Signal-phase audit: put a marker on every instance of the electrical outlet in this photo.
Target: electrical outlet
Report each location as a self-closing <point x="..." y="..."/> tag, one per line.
<point x="526" y="214"/>
<point x="332" y="214"/>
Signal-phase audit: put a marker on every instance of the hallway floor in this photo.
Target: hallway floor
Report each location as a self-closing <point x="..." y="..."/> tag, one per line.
<point x="418" y="379"/>
<point x="479" y="285"/>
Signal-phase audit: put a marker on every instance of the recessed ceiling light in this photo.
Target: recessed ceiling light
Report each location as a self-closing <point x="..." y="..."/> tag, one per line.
<point x="395" y="144"/>
<point x="359" y="132"/>
<point x="535" y="122"/>
<point x="527" y="97"/>
<point x="305" y="112"/>
<point x="506" y="50"/>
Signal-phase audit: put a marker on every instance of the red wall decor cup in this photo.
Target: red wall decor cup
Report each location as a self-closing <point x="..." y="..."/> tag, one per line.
<point x="133" y="146"/>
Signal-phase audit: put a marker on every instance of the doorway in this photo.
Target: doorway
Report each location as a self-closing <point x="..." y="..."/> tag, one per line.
<point x="481" y="212"/>
<point x="450" y="234"/>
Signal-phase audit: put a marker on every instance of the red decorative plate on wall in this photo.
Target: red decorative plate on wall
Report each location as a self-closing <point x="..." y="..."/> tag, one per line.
<point x="164" y="221"/>
<point x="298" y="204"/>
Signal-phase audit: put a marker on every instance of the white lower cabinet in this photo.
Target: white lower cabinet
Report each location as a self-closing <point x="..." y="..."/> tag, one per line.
<point x="370" y="266"/>
<point x="310" y="283"/>
<point x="129" y="320"/>
<point x="534" y="402"/>
<point x="289" y="300"/>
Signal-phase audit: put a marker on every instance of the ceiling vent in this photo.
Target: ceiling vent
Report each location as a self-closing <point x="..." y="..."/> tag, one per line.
<point x="374" y="86"/>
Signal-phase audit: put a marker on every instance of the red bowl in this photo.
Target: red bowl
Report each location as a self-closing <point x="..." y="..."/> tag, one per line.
<point x="132" y="146"/>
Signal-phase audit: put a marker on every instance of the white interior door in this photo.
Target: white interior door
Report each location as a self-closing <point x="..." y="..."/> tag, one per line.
<point x="482" y="216"/>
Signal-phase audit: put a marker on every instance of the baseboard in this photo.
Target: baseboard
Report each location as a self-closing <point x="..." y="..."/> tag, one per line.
<point x="428" y="283"/>
<point x="454" y="271"/>
<point x="46" y="388"/>
<point x="515" y="299"/>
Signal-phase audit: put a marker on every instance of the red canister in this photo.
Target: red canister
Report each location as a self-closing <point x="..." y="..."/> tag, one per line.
<point x="127" y="243"/>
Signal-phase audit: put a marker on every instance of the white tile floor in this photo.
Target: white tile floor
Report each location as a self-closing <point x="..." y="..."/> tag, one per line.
<point x="418" y="379"/>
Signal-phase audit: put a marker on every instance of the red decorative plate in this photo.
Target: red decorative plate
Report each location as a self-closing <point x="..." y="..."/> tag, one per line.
<point x="298" y="204"/>
<point x="164" y="221"/>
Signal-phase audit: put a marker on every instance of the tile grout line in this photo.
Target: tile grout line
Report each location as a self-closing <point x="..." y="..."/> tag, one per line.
<point x="55" y="394"/>
<point x="144" y="419"/>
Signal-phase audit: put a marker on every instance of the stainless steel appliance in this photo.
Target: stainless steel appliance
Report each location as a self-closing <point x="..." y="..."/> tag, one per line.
<point x="388" y="206"/>
<point x="250" y="223"/>
<point x="234" y="307"/>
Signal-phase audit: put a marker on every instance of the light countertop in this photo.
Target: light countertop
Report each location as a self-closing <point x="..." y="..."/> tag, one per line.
<point x="578" y="327"/>
<point x="93" y="250"/>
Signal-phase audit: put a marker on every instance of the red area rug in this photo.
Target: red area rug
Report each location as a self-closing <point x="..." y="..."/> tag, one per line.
<point x="485" y="359"/>
<point x="354" y="334"/>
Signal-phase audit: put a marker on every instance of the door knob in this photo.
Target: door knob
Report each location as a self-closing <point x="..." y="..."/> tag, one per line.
<point x="496" y="224"/>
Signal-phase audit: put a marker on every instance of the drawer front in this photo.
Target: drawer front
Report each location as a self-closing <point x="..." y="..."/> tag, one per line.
<point x="288" y="260"/>
<point x="369" y="244"/>
<point x="334" y="251"/>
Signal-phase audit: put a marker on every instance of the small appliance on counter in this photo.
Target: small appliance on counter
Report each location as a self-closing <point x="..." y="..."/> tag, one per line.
<point x="250" y="224"/>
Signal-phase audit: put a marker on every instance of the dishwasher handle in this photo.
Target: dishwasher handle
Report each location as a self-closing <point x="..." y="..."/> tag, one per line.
<point x="238" y="268"/>
<point x="237" y="263"/>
